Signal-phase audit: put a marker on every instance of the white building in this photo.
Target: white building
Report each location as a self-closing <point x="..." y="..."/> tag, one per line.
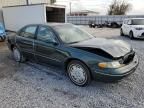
<point x="20" y="2"/>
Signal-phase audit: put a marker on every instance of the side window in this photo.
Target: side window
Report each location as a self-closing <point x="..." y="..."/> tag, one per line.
<point x="129" y="22"/>
<point x="45" y="35"/>
<point x="126" y="21"/>
<point x="28" y="32"/>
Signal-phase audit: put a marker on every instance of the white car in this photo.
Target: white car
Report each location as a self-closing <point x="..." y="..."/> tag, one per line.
<point x="2" y="33"/>
<point x="133" y="27"/>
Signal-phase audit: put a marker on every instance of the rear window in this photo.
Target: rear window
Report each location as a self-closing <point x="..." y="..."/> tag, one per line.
<point x="138" y="21"/>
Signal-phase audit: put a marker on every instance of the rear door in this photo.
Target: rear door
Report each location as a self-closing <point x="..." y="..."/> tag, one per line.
<point x="47" y="48"/>
<point x="25" y="40"/>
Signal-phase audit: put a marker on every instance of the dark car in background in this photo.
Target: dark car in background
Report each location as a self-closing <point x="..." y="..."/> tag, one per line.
<point x="83" y="56"/>
<point x="2" y="33"/>
<point x="92" y="24"/>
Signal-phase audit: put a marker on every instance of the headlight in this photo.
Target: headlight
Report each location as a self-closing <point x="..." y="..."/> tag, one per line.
<point x="114" y="64"/>
<point x="139" y="28"/>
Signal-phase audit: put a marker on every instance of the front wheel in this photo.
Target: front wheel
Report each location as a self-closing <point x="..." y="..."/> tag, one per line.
<point x="78" y="73"/>
<point x="131" y="35"/>
<point x="121" y="32"/>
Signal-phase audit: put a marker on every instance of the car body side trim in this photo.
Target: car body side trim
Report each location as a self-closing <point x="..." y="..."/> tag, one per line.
<point x="41" y="56"/>
<point x="48" y="57"/>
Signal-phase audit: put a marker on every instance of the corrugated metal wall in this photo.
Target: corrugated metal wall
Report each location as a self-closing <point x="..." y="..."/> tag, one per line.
<point x="12" y="2"/>
<point x="84" y="20"/>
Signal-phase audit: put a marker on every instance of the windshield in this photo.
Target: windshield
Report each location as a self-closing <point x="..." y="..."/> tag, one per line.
<point x="138" y="21"/>
<point x="71" y="34"/>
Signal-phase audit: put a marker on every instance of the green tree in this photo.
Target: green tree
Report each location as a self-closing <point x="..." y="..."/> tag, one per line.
<point x="53" y="1"/>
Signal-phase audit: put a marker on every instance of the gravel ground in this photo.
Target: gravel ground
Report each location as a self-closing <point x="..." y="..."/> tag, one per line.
<point x="31" y="85"/>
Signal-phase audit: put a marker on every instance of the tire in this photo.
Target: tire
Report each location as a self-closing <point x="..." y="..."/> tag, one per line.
<point x="90" y="26"/>
<point x="18" y="57"/>
<point x="121" y="32"/>
<point x="131" y="35"/>
<point x="2" y="38"/>
<point x="77" y="69"/>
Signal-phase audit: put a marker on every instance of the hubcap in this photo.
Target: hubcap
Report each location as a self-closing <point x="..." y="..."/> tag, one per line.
<point x="16" y="55"/>
<point x="77" y="73"/>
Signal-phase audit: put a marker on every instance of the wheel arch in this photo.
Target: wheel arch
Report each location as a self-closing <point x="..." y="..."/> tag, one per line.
<point x="131" y="31"/>
<point x="13" y="45"/>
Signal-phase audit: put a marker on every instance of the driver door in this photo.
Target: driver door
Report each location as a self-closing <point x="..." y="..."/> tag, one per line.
<point x="46" y="46"/>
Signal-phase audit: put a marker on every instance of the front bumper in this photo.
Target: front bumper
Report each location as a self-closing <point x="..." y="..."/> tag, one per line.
<point x="116" y="74"/>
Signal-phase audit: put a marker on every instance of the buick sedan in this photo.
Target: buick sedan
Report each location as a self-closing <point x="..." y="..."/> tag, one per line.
<point x="83" y="56"/>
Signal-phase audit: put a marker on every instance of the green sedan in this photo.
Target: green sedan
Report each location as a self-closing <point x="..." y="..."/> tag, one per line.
<point x="83" y="56"/>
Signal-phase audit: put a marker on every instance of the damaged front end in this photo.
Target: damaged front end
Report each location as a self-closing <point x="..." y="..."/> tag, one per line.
<point x="117" y="62"/>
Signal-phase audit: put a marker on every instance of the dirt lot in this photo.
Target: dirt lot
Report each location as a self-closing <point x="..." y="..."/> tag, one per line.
<point x="30" y="85"/>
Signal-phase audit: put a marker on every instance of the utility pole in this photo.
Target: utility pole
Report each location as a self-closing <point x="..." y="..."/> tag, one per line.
<point x="70" y="7"/>
<point x="27" y="2"/>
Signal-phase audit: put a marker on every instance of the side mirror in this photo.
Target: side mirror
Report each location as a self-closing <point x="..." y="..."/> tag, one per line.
<point x="55" y="43"/>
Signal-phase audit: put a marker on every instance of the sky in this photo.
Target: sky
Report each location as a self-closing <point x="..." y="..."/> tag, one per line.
<point x="101" y="6"/>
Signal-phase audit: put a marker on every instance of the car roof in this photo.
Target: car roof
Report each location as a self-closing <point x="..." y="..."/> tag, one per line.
<point x="50" y="24"/>
<point x="55" y="24"/>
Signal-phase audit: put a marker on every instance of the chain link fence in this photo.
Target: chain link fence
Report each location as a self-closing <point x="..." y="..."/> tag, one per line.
<point x="84" y="20"/>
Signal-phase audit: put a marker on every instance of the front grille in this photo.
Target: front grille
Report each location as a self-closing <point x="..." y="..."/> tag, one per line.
<point x="128" y="58"/>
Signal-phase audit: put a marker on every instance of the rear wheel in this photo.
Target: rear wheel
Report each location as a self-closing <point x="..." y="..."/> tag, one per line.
<point x="90" y="25"/>
<point x="131" y="35"/>
<point x="121" y="32"/>
<point x="94" y="26"/>
<point x="78" y="73"/>
<point x="18" y="57"/>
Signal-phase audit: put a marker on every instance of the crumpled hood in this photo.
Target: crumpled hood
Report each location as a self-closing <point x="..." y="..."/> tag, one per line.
<point x="115" y="48"/>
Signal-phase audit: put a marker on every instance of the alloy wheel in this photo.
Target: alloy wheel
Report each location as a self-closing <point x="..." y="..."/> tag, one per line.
<point x="77" y="74"/>
<point x="16" y="55"/>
